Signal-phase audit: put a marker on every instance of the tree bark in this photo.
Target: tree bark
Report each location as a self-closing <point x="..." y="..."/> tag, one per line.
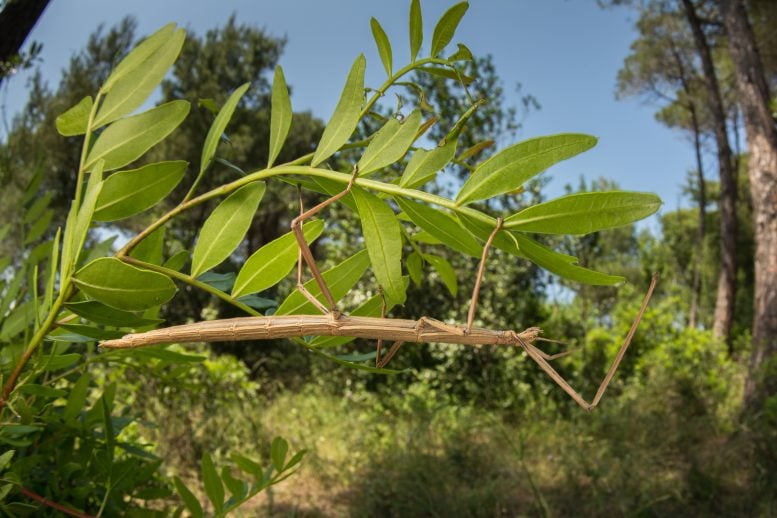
<point x="727" y="279"/>
<point x="702" y="230"/>
<point x="762" y="168"/>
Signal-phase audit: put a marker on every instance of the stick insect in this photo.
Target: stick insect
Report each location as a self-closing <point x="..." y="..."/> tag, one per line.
<point x="333" y="323"/>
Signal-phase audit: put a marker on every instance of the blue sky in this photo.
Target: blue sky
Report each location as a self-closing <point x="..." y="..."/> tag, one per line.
<point x="564" y="52"/>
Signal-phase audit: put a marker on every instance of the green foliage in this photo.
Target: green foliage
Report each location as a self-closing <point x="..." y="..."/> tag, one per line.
<point x="71" y="290"/>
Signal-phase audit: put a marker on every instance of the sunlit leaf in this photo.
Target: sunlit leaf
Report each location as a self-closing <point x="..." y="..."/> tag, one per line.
<point x="278" y="450"/>
<point x="414" y="265"/>
<point x="416" y="29"/>
<point x="219" y="125"/>
<point x="512" y="167"/>
<point x="191" y="502"/>
<point x="383" y="238"/>
<point x="340" y="279"/>
<point x="74" y="121"/>
<point x="125" y="94"/>
<point x="281" y="115"/>
<point x="449" y="73"/>
<point x="424" y="164"/>
<point x="446" y="27"/>
<point x="139" y="55"/>
<point x="226" y="227"/>
<point x="442" y="226"/>
<point x="561" y="264"/>
<point x="122" y="286"/>
<point x="128" y="139"/>
<point x="383" y="44"/>
<point x="389" y="144"/>
<point x="585" y="212"/>
<point x="271" y="263"/>
<point x="462" y="54"/>
<point x="346" y="115"/>
<point x="127" y="193"/>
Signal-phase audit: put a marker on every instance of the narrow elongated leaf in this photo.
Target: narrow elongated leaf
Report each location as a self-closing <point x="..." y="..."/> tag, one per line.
<point x="226" y="227"/>
<point x="39" y="227"/>
<point x="446" y="272"/>
<point x="383" y="43"/>
<point x="416" y="29"/>
<point x="449" y="73"/>
<point x="219" y="125"/>
<point x="214" y="488"/>
<point x="483" y="230"/>
<point x="278" y="450"/>
<point x="127" y="140"/>
<point x="513" y="166"/>
<point x="281" y="115"/>
<point x="414" y="265"/>
<point x="446" y="27"/>
<point x="73" y="122"/>
<point x="390" y="143"/>
<point x="442" y="226"/>
<point x="101" y="314"/>
<point x="127" y="93"/>
<point x="135" y="59"/>
<point x="270" y="264"/>
<point x="34" y="212"/>
<point x="131" y="192"/>
<point x="340" y="279"/>
<point x="424" y="164"/>
<point x="151" y="248"/>
<point x="561" y="264"/>
<point x="191" y="502"/>
<point x="76" y="399"/>
<point x="383" y="238"/>
<point x="85" y="214"/>
<point x="122" y="286"/>
<point x="346" y="115"/>
<point x="238" y="488"/>
<point x="585" y="212"/>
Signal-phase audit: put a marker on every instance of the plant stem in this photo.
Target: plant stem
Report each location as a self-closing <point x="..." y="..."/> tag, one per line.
<point x="188" y="279"/>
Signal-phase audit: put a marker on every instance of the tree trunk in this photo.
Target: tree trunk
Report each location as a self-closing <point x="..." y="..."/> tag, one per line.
<point x="724" y="305"/>
<point x="17" y="19"/>
<point x="702" y="230"/>
<point x="762" y="167"/>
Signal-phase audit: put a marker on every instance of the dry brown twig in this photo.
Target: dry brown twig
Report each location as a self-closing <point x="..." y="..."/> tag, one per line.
<point x="334" y="323"/>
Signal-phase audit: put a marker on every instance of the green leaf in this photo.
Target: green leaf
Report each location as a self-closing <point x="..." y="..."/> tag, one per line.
<point x="76" y="399"/>
<point x="512" y="167"/>
<point x="177" y="261"/>
<point x="561" y="264"/>
<point x="340" y="279"/>
<point x="280" y="118"/>
<point x="462" y="54"/>
<point x="351" y="365"/>
<point x="446" y="27"/>
<point x="278" y="450"/>
<point x="449" y="73"/>
<point x="127" y="193"/>
<point x="585" y="212"/>
<point x="92" y="332"/>
<point x="191" y="502"/>
<point x="73" y="122"/>
<point x="226" y="227"/>
<point x="247" y="465"/>
<point x="446" y="272"/>
<point x="219" y="125"/>
<point x="389" y="144"/>
<point x="41" y="391"/>
<point x="346" y="115"/>
<point x="101" y="314"/>
<point x="383" y="238"/>
<point x="128" y="139"/>
<point x="483" y="231"/>
<point x="214" y="488"/>
<point x="166" y="355"/>
<point x="416" y="29"/>
<point x="238" y="488"/>
<point x="414" y="264"/>
<point x="151" y="247"/>
<point x="383" y="43"/>
<point x="135" y="59"/>
<point x="38" y="228"/>
<point x="59" y="361"/>
<point x="127" y="93"/>
<point x="424" y="164"/>
<point x="475" y="149"/>
<point x="270" y="264"/>
<point x="220" y="281"/>
<point x="122" y="286"/>
<point x="5" y="459"/>
<point x="83" y="219"/>
<point x="442" y="226"/>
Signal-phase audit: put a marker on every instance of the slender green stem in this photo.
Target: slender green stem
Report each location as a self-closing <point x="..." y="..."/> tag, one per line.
<point x="188" y="279"/>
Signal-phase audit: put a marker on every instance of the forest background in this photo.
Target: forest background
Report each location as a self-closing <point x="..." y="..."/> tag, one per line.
<point x="472" y="431"/>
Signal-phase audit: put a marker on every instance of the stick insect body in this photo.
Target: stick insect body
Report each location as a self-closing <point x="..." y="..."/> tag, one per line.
<point x="333" y="323"/>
